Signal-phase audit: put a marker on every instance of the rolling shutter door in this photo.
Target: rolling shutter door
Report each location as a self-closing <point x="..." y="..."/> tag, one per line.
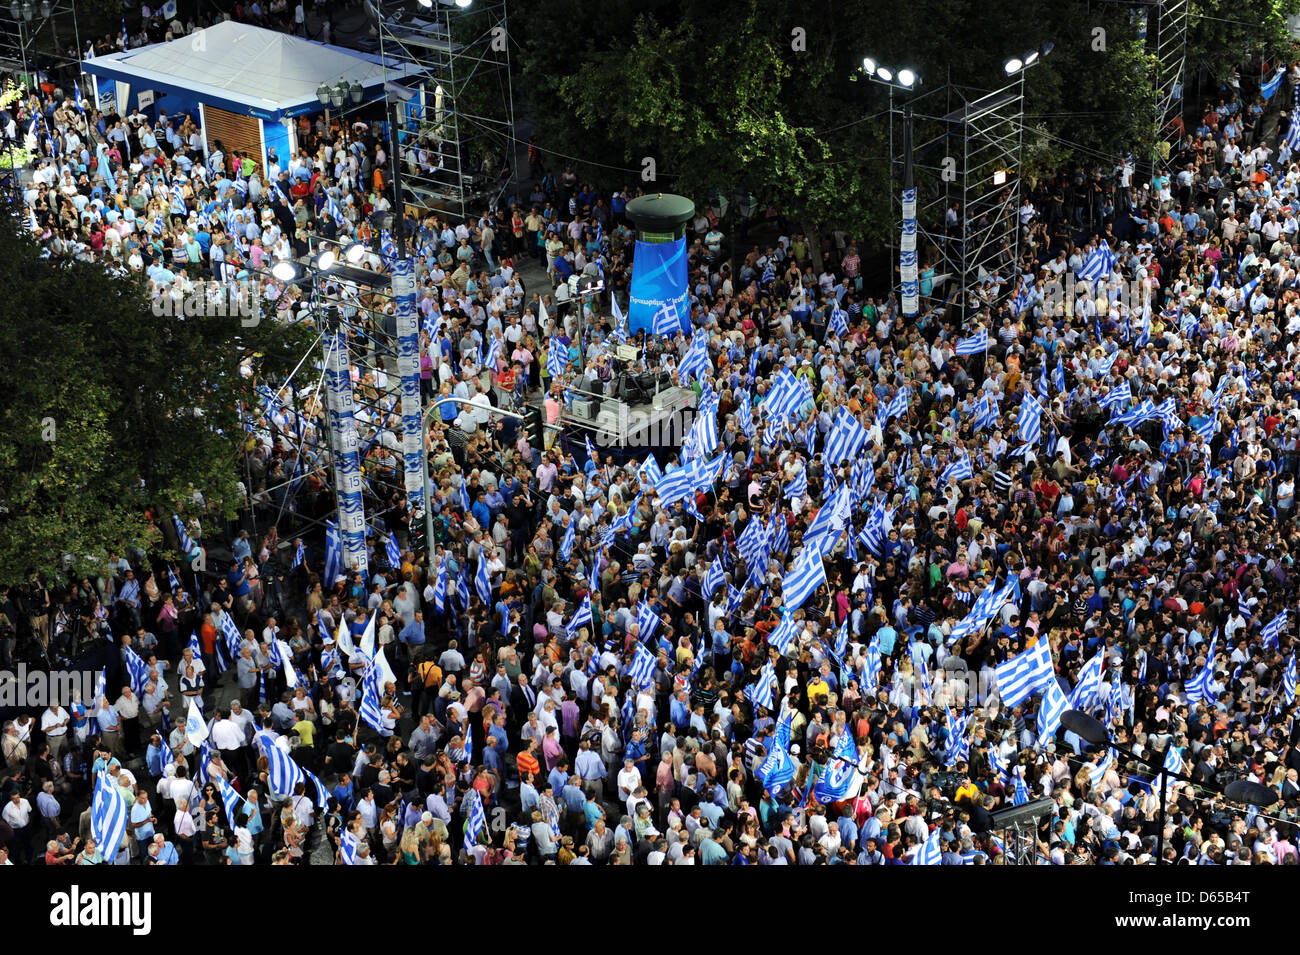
<point x="237" y="133"/>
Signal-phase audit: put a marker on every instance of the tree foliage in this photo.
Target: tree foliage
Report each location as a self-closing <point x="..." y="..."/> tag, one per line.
<point x="720" y="97"/>
<point x="107" y="410"/>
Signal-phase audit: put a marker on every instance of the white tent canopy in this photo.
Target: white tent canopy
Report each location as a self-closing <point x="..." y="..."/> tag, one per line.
<point x="274" y="74"/>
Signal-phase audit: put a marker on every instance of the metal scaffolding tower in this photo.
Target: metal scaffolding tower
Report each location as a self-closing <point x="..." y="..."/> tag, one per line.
<point x="1168" y="41"/>
<point x="29" y="37"/>
<point x="456" y="116"/>
<point x="967" y="149"/>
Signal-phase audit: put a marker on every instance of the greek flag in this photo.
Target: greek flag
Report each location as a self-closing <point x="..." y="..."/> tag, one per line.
<point x="108" y="816"/>
<point x="475" y="817"/>
<point x="1292" y="138"/>
<point x="370" y="711"/>
<point x="581" y="617"/>
<point x="187" y="546"/>
<point x="873" y="665"/>
<point x="440" y="588"/>
<point x="976" y="344"/>
<point x="785" y="397"/>
<point x="769" y="275"/>
<point x="1097" y="772"/>
<point x="696" y="361"/>
<point x="557" y="358"/>
<point x="299" y="555"/>
<point x="986" y="413"/>
<point x="798" y="486"/>
<point x="959" y="470"/>
<point x="1054" y="704"/>
<point x="872" y="536"/>
<point x="1198" y="688"/>
<point x="1289" y="680"/>
<point x="482" y="583"/>
<point x="776" y="771"/>
<point x="760" y="693"/>
<point x="178" y="198"/>
<point x="1031" y="420"/>
<point x="394" y="552"/>
<point x="1025" y="673"/>
<point x="642" y="670"/>
<point x="930" y="853"/>
<point x="996" y="762"/>
<point x="846" y="438"/>
<point x="137" y="670"/>
<point x="332" y="208"/>
<point x="333" y="554"/>
<point x="1117" y="397"/>
<point x="647" y="621"/>
<point x="1086" y="695"/>
<point x="809" y="573"/>
<point x="666" y="321"/>
<point x="1058" y="377"/>
<point x="839" y="322"/>
<point x="1021" y="301"/>
<point x="1099" y="264"/>
<point x="566" y="545"/>
<point x="714" y="578"/>
<point x="784" y="634"/>
<point x="1273" y="629"/>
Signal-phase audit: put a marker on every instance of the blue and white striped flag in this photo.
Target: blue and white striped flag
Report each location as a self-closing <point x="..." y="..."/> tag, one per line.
<point x="1097" y="771"/>
<point x="1273" y="629"/>
<point x="370" y="710"/>
<point x="299" y="555"/>
<point x="696" y="361"/>
<point x="839" y="322"/>
<point x="931" y="852"/>
<point x="482" y="582"/>
<point x="475" y="817"/>
<point x="1099" y="264"/>
<point x="108" y="816"/>
<point x="1053" y="706"/>
<point x="986" y="413"/>
<point x="1030" y="422"/>
<point x="394" y="553"/>
<point x="715" y="578"/>
<point x="958" y="470"/>
<point x="761" y="693"/>
<point x="976" y="344"/>
<point x="845" y="439"/>
<point x="1086" y="695"/>
<point x="333" y="555"/>
<point x="784" y="634"/>
<point x="137" y="670"/>
<point x="1198" y="688"/>
<point x="566" y="545"/>
<point x="642" y="670"/>
<point x="1289" y="680"/>
<point x="557" y="358"/>
<point x="808" y="574"/>
<point x="581" y="617"/>
<point x="1025" y="674"/>
<point x="798" y="486"/>
<point x="666" y="321"/>
<point x="647" y="621"/>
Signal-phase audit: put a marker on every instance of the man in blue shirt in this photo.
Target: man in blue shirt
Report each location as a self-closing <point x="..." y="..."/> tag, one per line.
<point x="413" y="633"/>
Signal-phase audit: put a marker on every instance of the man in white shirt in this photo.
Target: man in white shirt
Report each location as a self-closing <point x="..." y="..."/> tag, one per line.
<point x="54" y="724"/>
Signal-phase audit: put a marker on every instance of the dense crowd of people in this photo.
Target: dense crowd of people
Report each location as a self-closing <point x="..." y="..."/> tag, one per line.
<point x="790" y="641"/>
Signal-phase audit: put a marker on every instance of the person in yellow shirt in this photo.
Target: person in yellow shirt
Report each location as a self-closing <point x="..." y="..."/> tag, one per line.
<point x="817" y="687"/>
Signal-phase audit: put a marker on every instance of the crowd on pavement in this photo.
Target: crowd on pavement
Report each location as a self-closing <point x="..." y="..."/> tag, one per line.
<point x="793" y="639"/>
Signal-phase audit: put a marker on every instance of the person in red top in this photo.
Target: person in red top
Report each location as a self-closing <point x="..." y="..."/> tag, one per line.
<point x="208" y="642"/>
<point x="527" y="762"/>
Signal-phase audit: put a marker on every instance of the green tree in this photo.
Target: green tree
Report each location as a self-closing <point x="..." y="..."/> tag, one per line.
<point x="108" y="411"/>
<point x="1222" y="33"/>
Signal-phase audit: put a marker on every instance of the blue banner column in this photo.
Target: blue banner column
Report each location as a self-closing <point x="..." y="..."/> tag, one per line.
<point x="910" y="287"/>
<point x="347" y="457"/>
<point x="408" y="367"/>
<point x="659" y="259"/>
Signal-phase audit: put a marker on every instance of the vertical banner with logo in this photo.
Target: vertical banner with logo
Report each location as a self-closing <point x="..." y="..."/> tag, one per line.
<point x="347" y="459"/>
<point x="658" y="277"/>
<point x="408" y="367"/>
<point x="909" y="287"/>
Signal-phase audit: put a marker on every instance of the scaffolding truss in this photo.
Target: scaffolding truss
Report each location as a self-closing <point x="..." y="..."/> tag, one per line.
<point x="1168" y="41"/>
<point x="967" y="149"/>
<point x="456" y="116"/>
<point x="30" y="37"/>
